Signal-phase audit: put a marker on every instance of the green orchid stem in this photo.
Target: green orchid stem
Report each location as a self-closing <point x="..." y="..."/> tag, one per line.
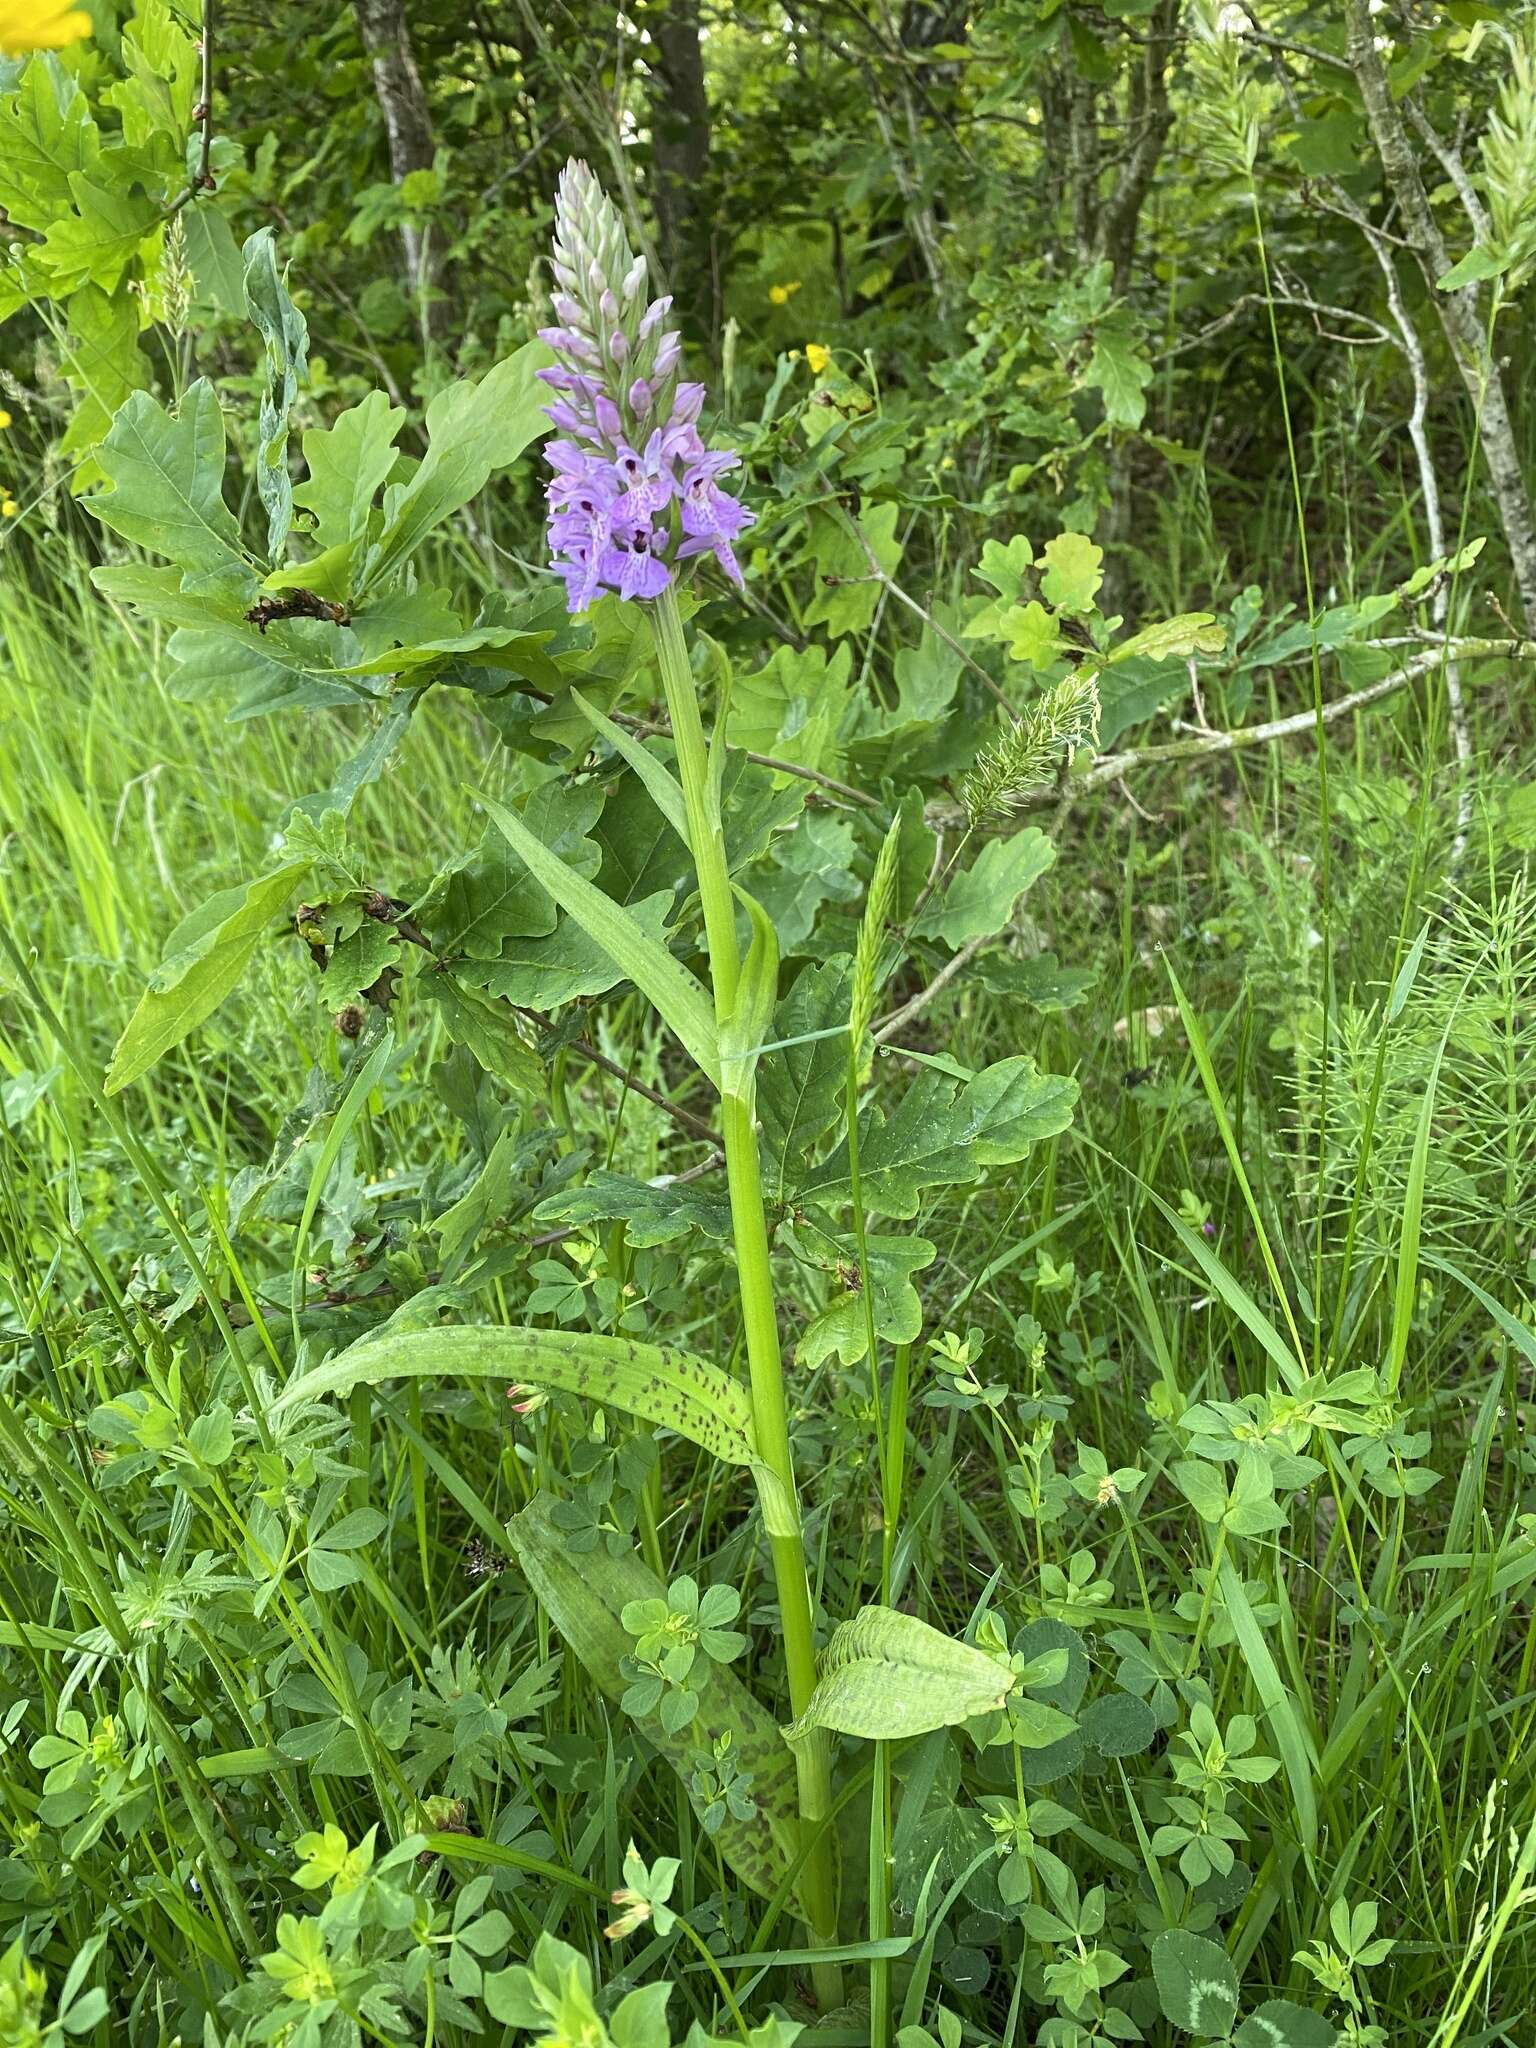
<point x="754" y="1279"/>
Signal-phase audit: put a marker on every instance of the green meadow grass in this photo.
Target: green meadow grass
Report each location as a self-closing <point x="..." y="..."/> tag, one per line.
<point x="1394" y="1644"/>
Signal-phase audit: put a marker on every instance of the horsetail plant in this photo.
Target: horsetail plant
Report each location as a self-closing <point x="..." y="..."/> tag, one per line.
<point x="635" y="505"/>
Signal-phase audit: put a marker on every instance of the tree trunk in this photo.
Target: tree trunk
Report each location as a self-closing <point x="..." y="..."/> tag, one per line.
<point x="680" y="159"/>
<point x="1458" y="311"/>
<point x="1148" y="120"/>
<point x="407" y="123"/>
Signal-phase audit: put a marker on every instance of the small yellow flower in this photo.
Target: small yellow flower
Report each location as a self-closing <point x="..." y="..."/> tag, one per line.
<point x="8" y="508"/>
<point x="818" y="357"/>
<point x="781" y="294"/>
<point x="5" y="418"/>
<point x="39" y="25"/>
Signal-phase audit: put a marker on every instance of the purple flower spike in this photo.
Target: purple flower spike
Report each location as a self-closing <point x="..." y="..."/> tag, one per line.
<point x="635" y="494"/>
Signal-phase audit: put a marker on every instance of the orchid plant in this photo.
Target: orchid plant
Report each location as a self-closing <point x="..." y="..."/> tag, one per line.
<point x="636" y="505"/>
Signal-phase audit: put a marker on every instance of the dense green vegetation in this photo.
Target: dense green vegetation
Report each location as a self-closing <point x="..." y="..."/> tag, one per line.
<point x="799" y="1310"/>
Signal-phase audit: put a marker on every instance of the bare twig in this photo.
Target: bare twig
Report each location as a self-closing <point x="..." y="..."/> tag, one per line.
<point x="899" y="1019"/>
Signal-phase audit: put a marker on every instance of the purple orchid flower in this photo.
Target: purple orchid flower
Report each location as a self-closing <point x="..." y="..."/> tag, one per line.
<point x="635" y="494"/>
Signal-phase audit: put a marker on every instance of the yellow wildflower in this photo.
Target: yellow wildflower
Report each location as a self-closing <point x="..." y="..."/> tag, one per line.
<point x="778" y="294"/>
<point x="39" y="25"/>
<point x="5" y="418"/>
<point x="8" y="507"/>
<point x="818" y="357"/>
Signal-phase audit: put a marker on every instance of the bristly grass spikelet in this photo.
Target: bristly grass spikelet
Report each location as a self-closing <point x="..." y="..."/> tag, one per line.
<point x="1026" y="755"/>
<point x="866" y="958"/>
<point x="1509" y="162"/>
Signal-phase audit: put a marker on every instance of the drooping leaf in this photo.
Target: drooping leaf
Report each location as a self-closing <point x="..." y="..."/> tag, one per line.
<point x="204" y="958"/>
<point x="489" y="1029"/>
<point x="285" y="336"/>
<point x="661" y="1385"/>
<point x="886" y="1675"/>
<point x="584" y="1596"/>
<point x="652" y="1213"/>
<point x="942" y="1133"/>
<point x="800" y="1085"/>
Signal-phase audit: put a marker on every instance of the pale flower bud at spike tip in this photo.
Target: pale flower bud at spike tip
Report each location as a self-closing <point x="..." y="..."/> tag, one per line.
<point x="635" y="499"/>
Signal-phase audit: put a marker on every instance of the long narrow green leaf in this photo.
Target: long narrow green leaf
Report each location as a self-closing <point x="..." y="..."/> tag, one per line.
<point x="662" y="788"/>
<point x="681" y="1000"/>
<point x="1291" y="1738"/>
<point x="671" y="1388"/>
<point x="1405" y="1293"/>
<point x="1235" y="1295"/>
<point x="1212" y="1086"/>
<point x="584" y="1597"/>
